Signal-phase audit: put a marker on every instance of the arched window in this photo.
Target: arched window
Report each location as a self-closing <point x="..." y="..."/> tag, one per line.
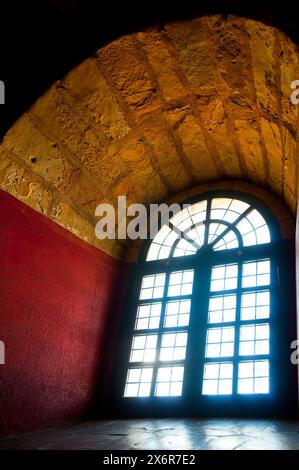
<point x="206" y="309"/>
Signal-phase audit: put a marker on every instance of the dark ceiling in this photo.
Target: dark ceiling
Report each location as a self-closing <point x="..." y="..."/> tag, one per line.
<point x="42" y="40"/>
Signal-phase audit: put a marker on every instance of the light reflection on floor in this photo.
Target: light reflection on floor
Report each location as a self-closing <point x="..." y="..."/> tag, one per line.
<point x="163" y="434"/>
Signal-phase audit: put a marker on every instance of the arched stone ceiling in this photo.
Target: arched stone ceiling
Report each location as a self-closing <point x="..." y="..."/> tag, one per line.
<point x="155" y="113"/>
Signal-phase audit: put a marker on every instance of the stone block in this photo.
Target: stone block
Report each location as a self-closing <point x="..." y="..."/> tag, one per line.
<point x="163" y="64"/>
<point x="128" y="72"/>
<point x="272" y="138"/>
<point x="190" y="42"/>
<point x="196" y="151"/>
<point x="262" y="46"/>
<point x="250" y="145"/>
<point x="15" y="180"/>
<point x="165" y="153"/>
<point x="94" y="96"/>
<point x="41" y="155"/>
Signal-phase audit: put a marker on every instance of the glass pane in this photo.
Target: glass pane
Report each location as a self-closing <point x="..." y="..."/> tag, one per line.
<point x="245" y="386"/>
<point x="180" y="283"/>
<point x="225" y="387"/>
<point x="227" y="209"/>
<point x="143" y="348"/>
<point x="152" y="286"/>
<point x="173" y="346"/>
<point x="212" y="371"/>
<point x="190" y="215"/>
<point x="253" y="229"/>
<point x="162" y="244"/>
<point x="138" y="383"/>
<point x="148" y="316"/>
<point x="210" y="387"/>
<point x="218" y="378"/>
<point x="227" y="242"/>
<point x="226" y="370"/>
<point x="222" y="308"/>
<point x="263" y="235"/>
<point x="255" y="304"/>
<point x="220" y="342"/>
<point x="224" y="277"/>
<point x="245" y="369"/>
<point x="169" y="381"/>
<point x="256" y="273"/>
<point x="177" y="313"/>
<point x="253" y="377"/>
<point x="184" y="248"/>
<point x="176" y="389"/>
<point x="254" y="339"/>
<point x="215" y="229"/>
<point x="262" y="385"/>
<point x="197" y="234"/>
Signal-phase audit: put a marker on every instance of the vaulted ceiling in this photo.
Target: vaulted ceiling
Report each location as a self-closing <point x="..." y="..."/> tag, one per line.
<point x="155" y="113"/>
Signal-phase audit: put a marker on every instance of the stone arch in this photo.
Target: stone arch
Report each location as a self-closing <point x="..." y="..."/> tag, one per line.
<point x="157" y="112"/>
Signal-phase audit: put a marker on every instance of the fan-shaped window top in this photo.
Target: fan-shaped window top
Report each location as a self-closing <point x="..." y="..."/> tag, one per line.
<point x="220" y="223"/>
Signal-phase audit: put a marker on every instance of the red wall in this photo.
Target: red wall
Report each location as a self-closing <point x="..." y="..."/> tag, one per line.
<point x="56" y="294"/>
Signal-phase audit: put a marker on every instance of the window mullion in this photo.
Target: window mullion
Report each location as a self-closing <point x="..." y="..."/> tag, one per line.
<point x="237" y="328"/>
<point x="206" y="236"/>
<point x="200" y="326"/>
<point x="160" y="332"/>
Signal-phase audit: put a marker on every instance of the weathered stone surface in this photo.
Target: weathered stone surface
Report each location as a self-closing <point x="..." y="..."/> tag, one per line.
<point x="56" y="115"/>
<point x="272" y="139"/>
<point x="289" y="71"/>
<point x="66" y="216"/>
<point x="233" y="58"/>
<point x="111" y="247"/>
<point x="250" y="143"/>
<point x="129" y="74"/>
<point x="5" y="159"/>
<point x="85" y="194"/>
<point x="19" y="183"/>
<point x="95" y="97"/>
<point x="63" y="214"/>
<point x="175" y="115"/>
<point x="196" y="151"/>
<point x="164" y="65"/>
<point x="215" y="122"/>
<point x="262" y="46"/>
<point x="190" y="41"/>
<point x="136" y="156"/>
<point x="291" y="198"/>
<point x="41" y="155"/>
<point x="107" y="167"/>
<point x="154" y="113"/>
<point x="290" y="169"/>
<point x="126" y="187"/>
<point x="165" y="153"/>
<point x="79" y="138"/>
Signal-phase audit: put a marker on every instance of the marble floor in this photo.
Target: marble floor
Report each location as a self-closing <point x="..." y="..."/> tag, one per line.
<point x="163" y="434"/>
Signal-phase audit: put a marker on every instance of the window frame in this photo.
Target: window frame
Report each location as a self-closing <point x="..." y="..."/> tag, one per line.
<point x="275" y="250"/>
